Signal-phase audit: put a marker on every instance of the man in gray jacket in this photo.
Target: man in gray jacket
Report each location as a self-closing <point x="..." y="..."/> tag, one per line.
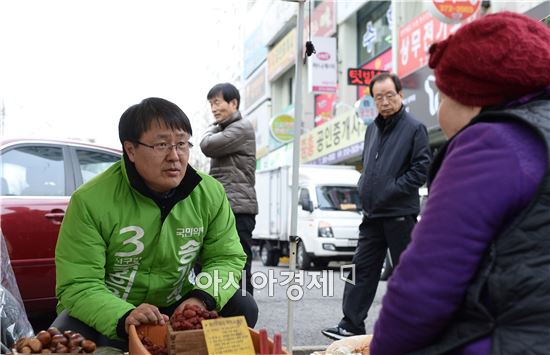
<point x="231" y="144"/>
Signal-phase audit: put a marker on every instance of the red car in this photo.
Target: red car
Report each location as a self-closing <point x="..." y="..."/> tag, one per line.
<point x="37" y="179"/>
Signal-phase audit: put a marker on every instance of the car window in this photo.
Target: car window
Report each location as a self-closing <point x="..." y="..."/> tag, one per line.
<point x="33" y="171"/>
<point x="93" y="162"/>
<point x="338" y="198"/>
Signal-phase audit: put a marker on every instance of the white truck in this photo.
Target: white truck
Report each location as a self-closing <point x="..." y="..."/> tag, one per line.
<point x="329" y="214"/>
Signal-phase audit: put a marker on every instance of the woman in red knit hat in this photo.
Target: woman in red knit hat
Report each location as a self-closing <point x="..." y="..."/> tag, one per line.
<point x="476" y="277"/>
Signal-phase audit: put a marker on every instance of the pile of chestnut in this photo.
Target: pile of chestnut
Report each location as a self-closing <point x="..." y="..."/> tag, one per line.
<point x="54" y="341"/>
<point x="190" y="317"/>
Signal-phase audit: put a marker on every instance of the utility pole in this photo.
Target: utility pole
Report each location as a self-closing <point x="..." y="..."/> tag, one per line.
<point x="293" y="238"/>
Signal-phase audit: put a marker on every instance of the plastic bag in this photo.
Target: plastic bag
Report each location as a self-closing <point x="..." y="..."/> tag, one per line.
<point x="358" y="344"/>
<point x="13" y="318"/>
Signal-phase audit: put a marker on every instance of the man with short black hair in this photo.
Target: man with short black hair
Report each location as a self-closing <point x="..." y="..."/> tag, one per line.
<point x="231" y="144"/>
<point x="396" y="158"/>
<point x="131" y="236"/>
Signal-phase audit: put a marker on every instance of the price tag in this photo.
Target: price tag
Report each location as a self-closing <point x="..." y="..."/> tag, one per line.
<point x="227" y="336"/>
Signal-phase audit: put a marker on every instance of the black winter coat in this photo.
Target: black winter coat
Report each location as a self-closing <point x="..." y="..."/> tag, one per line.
<point x="396" y="158"/>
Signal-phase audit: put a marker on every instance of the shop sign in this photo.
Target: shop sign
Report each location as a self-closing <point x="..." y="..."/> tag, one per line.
<point x="416" y="37"/>
<point x="454" y="11"/>
<point x="255" y="88"/>
<point x="259" y="118"/>
<point x="282" y="55"/>
<point x="362" y="76"/>
<point x="341" y="132"/>
<point x="352" y="151"/>
<point x="282" y="128"/>
<point x="365" y="109"/>
<point x="421" y="96"/>
<point x="381" y="63"/>
<point x="322" y="76"/>
<point x="324" y="107"/>
<point x="369" y="37"/>
<point x="323" y="21"/>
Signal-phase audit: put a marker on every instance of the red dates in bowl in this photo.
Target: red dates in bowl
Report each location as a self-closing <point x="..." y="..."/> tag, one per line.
<point x="190" y="317"/>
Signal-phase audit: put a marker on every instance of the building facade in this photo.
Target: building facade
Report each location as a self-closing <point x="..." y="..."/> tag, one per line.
<point x="354" y="40"/>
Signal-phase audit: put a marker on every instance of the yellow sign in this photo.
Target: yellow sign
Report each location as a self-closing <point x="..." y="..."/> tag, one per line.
<point x="228" y="336"/>
<point x="342" y="131"/>
<point x="281" y="57"/>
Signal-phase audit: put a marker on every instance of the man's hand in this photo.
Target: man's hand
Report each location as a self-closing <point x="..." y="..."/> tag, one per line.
<point x="145" y="314"/>
<point x="190" y="301"/>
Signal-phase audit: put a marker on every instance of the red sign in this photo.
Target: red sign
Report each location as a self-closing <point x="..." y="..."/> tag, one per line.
<point x="382" y="62"/>
<point x="453" y="11"/>
<point x="323" y="20"/>
<point x="324" y="107"/>
<point x="361" y="76"/>
<point x="416" y="37"/>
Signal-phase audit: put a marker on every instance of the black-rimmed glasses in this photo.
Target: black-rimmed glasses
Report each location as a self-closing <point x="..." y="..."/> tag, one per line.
<point x="165" y="148"/>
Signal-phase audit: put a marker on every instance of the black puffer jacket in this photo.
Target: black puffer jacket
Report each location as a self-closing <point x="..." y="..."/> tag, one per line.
<point x="232" y="147"/>
<point x="396" y="158"/>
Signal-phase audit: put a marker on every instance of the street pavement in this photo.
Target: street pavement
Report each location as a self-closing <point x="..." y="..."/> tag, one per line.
<point x="316" y="309"/>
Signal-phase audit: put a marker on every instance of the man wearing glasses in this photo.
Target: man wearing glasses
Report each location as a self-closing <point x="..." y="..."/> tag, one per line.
<point x="231" y="144"/>
<point x="396" y="157"/>
<point x="132" y="235"/>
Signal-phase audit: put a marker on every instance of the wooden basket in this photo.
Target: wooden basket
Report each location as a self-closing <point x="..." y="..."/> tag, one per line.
<point x="187" y="342"/>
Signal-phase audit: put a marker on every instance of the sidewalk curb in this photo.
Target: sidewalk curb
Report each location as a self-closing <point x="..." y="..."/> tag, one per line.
<point x="307" y="349"/>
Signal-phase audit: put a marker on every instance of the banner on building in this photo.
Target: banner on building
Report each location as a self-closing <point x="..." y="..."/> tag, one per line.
<point x="281" y="57"/>
<point x="260" y="118"/>
<point x="333" y="137"/>
<point x="416" y="37"/>
<point x="322" y="75"/>
<point x="421" y="96"/>
<point x="324" y="108"/>
<point x="256" y="88"/>
<point x="323" y="20"/>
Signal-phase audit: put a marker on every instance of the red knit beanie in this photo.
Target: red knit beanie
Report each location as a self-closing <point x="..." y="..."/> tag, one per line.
<point x="495" y="59"/>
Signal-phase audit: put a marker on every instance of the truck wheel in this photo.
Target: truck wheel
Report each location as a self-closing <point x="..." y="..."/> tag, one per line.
<point x="303" y="261"/>
<point x="269" y="255"/>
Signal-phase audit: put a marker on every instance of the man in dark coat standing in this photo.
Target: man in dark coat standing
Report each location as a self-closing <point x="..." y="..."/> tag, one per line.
<point x="396" y="157"/>
<point x="231" y="144"/>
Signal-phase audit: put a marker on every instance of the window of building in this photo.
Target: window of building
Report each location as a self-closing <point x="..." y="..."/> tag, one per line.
<point x="374" y="30"/>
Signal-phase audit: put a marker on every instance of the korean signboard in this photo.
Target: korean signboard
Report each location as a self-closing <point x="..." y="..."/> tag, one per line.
<point x="421" y="96"/>
<point x="281" y="56"/>
<point x="256" y="88"/>
<point x="260" y="118"/>
<point x="454" y="11"/>
<point x="324" y="107"/>
<point x="333" y="141"/>
<point x="382" y="62"/>
<point x="322" y="76"/>
<point x="361" y="76"/>
<point x="323" y="20"/>
<point x="415" y="39"/>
